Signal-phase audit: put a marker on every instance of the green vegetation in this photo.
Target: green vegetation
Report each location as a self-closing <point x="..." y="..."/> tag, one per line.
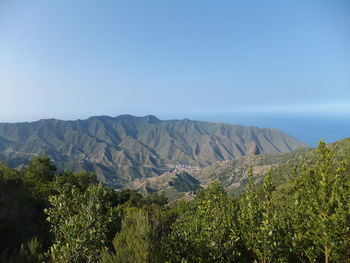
<point x="132" y="244"/>
<point x="298" y="212"/>
<point x="207" y="231"/>
<point x="82" y="223"/>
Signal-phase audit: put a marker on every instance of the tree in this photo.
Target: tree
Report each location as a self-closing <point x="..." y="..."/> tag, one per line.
<point x="30" y="252"/>
<point x="38" y="176"/>
<point x="19" y="221"/>
<point x="133" y="243"/>
<point x="207" y="231"/>
<point x="250" y="216"/>
<point x="82" y="223"/>
<point x="82" y="180"/>
<point x="270" y="244"/>
<point x="260" y="228"/>
<point x="22" y="200"/>
<point x="322" y="211"/>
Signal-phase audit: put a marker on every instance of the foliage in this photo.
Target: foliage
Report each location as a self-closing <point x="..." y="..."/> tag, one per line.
<point x="322" y="201"/>
<point x="31" y="252"/>
<point x="21" y="211"/>
<point x="132" y="244"/>
<point x="38" y="176"/>
<point x="306" y="219"/>
<point x="82" y="180"/>
<point x="261" y="232"/>
<point x="206" y="232"/>
<point x="81" y="224"/>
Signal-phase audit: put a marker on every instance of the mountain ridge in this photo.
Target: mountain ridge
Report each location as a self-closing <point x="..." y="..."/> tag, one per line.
<point x="127" y="147"/>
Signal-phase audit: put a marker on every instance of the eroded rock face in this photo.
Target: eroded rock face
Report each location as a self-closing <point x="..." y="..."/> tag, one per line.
<point x="253" y="148"/>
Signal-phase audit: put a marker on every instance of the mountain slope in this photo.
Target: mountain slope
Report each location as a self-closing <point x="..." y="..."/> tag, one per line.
<point x="126" y="147"/>
<point x="233" y="174"/>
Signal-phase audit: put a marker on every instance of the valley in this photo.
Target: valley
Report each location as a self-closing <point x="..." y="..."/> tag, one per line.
<point x="126" y="148"/>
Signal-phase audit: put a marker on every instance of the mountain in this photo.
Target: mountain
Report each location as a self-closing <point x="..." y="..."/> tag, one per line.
<point x="126" y="147"/>
<point x="233" y="174"/>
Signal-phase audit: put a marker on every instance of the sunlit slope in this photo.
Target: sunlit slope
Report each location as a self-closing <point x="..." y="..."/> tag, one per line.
<point x="233" y="174"/>
<point x="126" y="147"/>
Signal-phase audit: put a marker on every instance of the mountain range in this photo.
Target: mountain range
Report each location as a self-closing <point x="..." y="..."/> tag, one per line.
<point x="126" y="148"/>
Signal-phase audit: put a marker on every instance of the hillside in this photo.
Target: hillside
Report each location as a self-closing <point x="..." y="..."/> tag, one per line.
<point x="126" y="147"/>
<point x="233" y="174"/>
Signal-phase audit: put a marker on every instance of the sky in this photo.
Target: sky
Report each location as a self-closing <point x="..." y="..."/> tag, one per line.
<point x="72" y="59"/>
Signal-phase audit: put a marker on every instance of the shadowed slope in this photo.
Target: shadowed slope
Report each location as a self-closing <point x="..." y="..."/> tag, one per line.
<point x="126" y="147"/>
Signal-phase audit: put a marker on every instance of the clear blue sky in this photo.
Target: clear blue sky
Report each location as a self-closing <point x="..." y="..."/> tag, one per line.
<point x="72" y="59"/>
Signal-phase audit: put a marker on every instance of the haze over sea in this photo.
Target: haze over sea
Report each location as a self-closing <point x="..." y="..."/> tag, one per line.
<point x="309" y="128"/>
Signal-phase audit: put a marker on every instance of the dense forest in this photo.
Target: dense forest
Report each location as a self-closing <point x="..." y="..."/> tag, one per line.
<point x="50" y="216"/>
